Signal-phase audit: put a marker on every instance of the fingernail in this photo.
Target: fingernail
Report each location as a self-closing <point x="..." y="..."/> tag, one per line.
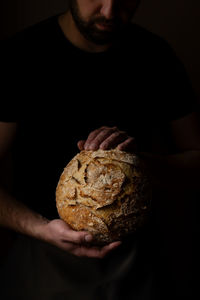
<point x="88" y="238"/>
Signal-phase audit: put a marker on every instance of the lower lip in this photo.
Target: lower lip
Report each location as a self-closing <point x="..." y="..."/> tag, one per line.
<point x="104" y="27"/>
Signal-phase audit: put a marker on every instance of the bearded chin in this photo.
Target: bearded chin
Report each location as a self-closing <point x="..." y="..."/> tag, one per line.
<point x="98" y="37"/>
<point x="88" y="29"/>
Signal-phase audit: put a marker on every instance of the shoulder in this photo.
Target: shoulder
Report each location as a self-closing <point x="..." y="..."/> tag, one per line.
<point x="39" y="31"/>
<point x="31" y="42"/>
<point x="144" y="35"/>
<point x="148" y="43"/>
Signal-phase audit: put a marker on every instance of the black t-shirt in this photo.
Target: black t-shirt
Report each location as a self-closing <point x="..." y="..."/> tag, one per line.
<point x="58" y="94"/>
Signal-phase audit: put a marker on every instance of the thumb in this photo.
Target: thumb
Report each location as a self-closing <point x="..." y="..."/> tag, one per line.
<point x="81" y="144"/>
<point x="77" y="237"/>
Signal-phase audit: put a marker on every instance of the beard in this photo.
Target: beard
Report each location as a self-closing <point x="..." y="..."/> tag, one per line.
<point x="89" y="29"/>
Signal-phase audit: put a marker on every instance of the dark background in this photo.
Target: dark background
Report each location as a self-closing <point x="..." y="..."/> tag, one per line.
<point x="178" y="21"/>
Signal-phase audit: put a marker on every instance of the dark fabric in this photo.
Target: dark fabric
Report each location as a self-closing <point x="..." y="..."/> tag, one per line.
<point x="36" y="270"/>
<point x="57" y="94"/>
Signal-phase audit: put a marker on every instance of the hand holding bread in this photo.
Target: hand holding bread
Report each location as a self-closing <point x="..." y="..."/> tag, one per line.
<point x="77" y="241"/>
<point x="61" y="235"/>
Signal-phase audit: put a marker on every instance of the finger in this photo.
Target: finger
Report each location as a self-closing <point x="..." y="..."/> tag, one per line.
<point x="80" y="144"/>
<point x="101" y="136"/>
<point x="77" y="237"/>
<point x="110" y="247"/>
<point x="128" y="145"/>
<point x="113" y="140"/>
<point x="92" y="136"/>
<point x="95" y="252"/>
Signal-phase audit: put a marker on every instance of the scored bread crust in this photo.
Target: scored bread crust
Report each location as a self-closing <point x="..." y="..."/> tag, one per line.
<point x="106" y="192"/>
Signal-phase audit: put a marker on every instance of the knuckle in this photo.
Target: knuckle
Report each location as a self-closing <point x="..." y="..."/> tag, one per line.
<point x="106" y="128"/>
<point x="98" y="139"/>
<point x="91" y="134"/>
<point x="114" y="134"/>
<point x="77" y="239"/>
<point x="123" y="132"/>
<point x="118" y="134"/>
<point x="111" y="137"/>
<point x="104" y="145"/>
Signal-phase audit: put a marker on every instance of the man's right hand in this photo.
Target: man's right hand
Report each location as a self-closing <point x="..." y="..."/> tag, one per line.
<point x="61" y="235"/>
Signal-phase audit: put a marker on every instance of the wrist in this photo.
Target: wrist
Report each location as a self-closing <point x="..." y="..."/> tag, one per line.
<point x="39" y="230"/>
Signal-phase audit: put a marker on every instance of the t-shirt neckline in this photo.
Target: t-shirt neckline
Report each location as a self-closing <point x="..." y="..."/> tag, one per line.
<point x="77" y="49"/>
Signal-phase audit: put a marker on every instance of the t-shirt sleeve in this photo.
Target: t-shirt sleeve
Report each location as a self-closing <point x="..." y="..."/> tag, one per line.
<point x="178" y="95"/>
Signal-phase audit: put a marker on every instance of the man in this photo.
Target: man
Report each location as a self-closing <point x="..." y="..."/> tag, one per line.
<point x="88" y="76"/>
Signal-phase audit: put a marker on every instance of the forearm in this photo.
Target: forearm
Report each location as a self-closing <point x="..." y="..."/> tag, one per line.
<point x="18" y="217"/>
<point x="175" y="170"/>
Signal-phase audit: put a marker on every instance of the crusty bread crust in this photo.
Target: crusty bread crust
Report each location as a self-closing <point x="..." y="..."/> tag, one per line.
<point x="106" y="192"/>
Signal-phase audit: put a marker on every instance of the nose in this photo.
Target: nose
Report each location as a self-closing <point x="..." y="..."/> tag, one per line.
<point x="107" y="8"/>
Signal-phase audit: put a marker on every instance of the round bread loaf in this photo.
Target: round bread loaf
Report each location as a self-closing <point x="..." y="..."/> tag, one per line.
<point x="105" y="192"/>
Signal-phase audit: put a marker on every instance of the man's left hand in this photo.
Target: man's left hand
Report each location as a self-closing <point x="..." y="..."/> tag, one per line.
<point x="108" y="138"/>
